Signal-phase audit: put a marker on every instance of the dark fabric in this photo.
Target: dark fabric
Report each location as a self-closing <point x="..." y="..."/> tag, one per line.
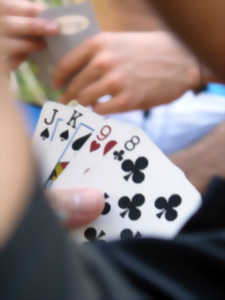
<point x="41" y="263"/>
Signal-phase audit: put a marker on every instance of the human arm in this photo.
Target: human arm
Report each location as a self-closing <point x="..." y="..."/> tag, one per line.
<point x="140" y="269"/>
<point x="139" y="70"/>
<point x="20" y="34"/>
<point x="38" y="260"/>
<point x="76" y="207"/>
<point x="203" y="160"/>
<point x="197" y="24"/>
<point x="15" y="151"/>
<point x="126" y="15"/>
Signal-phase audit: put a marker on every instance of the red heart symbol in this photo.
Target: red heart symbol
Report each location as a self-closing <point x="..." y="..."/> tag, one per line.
<point x="94" y="146"/>
<point x="109" y="147"/>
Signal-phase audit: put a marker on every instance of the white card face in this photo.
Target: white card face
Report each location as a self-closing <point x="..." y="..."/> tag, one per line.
<point x="103" y="142"/>
<point x="61" y="133"/>
<point x="77" y="22"/>
<point x="145" y="194"/>
<point x="133" y="214"/>
<point x="45" y="128"/>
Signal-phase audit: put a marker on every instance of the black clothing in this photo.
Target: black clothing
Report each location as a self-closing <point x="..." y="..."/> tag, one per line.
<point x="42" y="263"/>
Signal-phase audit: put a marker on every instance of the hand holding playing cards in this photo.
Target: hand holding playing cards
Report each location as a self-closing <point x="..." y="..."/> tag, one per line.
<point x="77" y="207"/>
<point x="139" y="70"/>
<point x="21" y="32"/>
<point x="145" y="194"/>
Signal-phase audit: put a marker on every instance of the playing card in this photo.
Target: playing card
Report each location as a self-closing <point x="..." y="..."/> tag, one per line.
<point x="80" y="136"/>
<point x="145" y="194"/>
<point x="103" y="142"/>
<point x="62" y="129"/>
<point x="77" y="22"/>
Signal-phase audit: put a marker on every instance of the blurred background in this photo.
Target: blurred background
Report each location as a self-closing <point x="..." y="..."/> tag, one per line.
<point x="129" y="15"/>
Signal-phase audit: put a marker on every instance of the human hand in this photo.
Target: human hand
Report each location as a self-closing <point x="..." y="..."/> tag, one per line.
<point x="139" y="70"/>
<point x="21" y="32"/>
<point x="198" y="167"/>
<point x="77" y="207"/>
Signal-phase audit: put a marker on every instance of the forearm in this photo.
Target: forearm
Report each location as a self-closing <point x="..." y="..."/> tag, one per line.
<point x="135" y="15"/>
<point x="15" y="161"/>
<point x="191" y="19"/>
<point x="203" y="160"/>
<point x="126" y="15"/>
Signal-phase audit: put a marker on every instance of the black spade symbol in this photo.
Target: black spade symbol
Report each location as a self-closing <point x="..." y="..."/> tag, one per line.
<point x="45" y="134"/>
<point x="78" y="144"/>
<point x="64" y="135"/>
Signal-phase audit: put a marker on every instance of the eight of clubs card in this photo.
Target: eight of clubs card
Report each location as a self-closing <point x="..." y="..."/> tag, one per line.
<point x="145" y="194"/>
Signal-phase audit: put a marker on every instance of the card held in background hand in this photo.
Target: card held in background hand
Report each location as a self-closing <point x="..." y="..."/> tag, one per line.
<point x="77" y="22"/>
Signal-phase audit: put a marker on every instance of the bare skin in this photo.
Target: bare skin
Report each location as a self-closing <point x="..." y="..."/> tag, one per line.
<point x="21" y="33"/>
<point x="78" y="206"/>
<point x="139" y="70"/>
<point x="126" y="15"/>
<point x="12" y="210"/>
<point x="202" y="161"/>
<point x="18" y="152"/>
<point x="194" y="21"/>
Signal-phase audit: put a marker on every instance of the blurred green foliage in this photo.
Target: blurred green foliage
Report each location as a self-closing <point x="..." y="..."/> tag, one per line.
<point x="31" y="89"/>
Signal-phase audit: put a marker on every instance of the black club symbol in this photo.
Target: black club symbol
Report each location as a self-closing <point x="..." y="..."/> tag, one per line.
<point x="127" y="234"/>
<point x="134" y="169"/>
<point x="118" y="155"/>
<point x="167" y="207"/>
<point x="130" y="206"/>
<point x="92" y="235"/>
<point x="107" y="207"/>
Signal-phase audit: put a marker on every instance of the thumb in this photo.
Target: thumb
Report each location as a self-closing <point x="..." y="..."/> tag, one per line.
<point x="77" y="207"/>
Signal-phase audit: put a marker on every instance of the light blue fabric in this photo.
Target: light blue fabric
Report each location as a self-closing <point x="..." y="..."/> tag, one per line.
<point x="216" y="89"/>
<point x="172" y="127"/>
<point x="31" y="115"/>
<point x="177" y="125"/>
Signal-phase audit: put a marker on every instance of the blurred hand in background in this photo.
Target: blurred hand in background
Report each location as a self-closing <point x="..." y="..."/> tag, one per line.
<point x="139" y="70"/>
<point x="21" y="31"/>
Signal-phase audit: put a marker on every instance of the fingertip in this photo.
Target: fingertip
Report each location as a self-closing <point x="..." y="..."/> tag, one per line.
<point x="57" y="81"/>
<point x="97" y="201"/>
<point x="34" y="9"/>
<point x="89" y="204"/>
<point x="67" y="96"/>
<point x="63" y="100"/>
<point x="39" y="7"/>
<point x="100" y="110"/>
<point x="77" y="207"/>
<point x="52" y="28"/>
<point x="57" y="76"/>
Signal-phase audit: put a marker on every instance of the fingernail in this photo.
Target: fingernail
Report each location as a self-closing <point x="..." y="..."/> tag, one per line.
<point x="62" y="100"/>
<point x="40" y="6"/>
<point x="85" y="203"/>
<point x="52" y="27"/>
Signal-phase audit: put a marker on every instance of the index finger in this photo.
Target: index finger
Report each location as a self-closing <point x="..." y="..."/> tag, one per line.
<point x="74" y="61"/>
<point x="20" y="8"/>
